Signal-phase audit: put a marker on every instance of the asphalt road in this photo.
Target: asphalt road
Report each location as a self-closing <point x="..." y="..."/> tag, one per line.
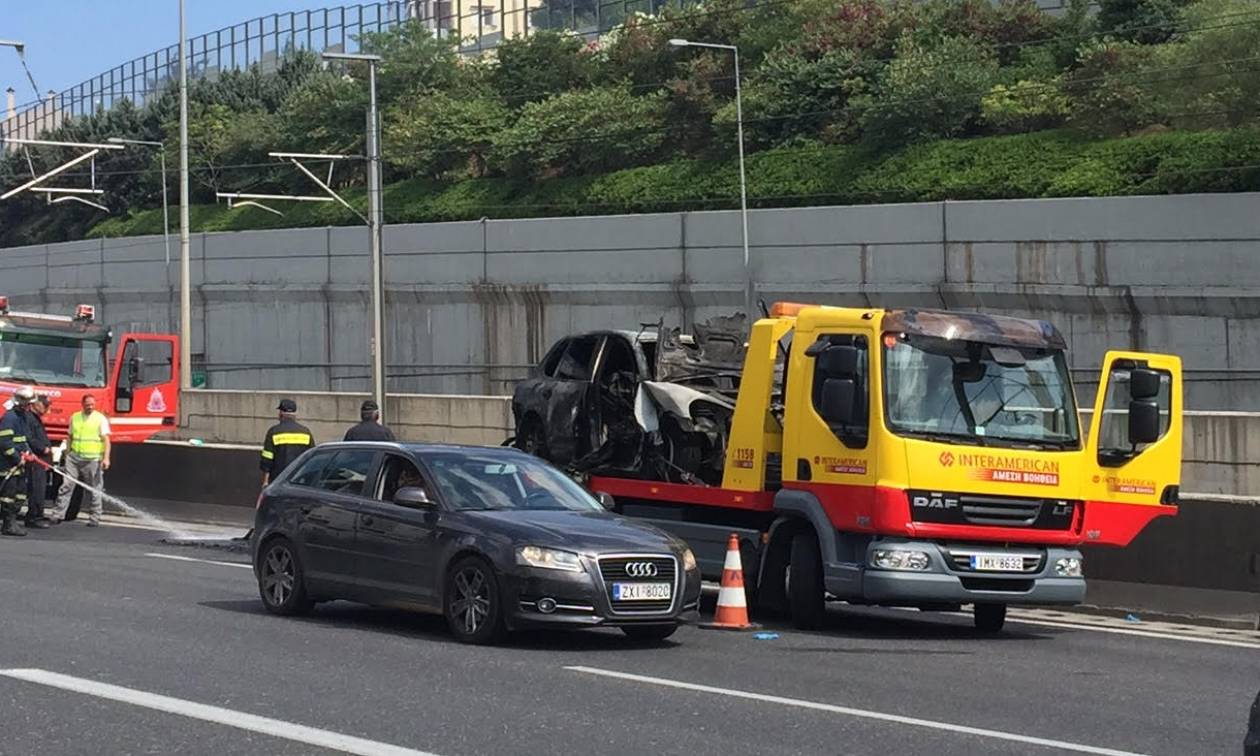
<point x="105" y="648"/>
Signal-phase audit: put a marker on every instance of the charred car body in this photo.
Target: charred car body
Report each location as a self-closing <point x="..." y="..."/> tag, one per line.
<point x="654" y="403"/>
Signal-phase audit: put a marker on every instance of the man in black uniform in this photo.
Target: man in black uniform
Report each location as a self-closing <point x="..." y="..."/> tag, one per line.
<point x="285" y="442"/>
<point x="37" y="474"/>
<point x="14" y="454"/>
<point x="370" y="427"/>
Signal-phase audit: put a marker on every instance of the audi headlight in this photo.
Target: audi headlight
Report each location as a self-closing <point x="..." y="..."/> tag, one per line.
<point x="899" y="559"/>
<point x="689" y="560"/>
<point x="1068" y="567"/>
<point x="548" y="559"/>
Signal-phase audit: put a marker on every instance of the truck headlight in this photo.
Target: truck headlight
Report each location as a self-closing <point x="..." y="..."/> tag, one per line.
<point x="1068" y="567"/>
<point x="900" y="559"/>
<point x="548" y="559"/>
<point x="689" y="560"/>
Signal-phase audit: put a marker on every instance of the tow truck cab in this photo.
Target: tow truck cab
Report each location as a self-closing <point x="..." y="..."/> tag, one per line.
<point x="65" y="357"/>
<point x="928" y="459"/>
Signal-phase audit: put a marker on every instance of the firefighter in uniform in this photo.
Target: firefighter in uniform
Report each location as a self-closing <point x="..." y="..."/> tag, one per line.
<point x="285" y="441"/>
<point x="14" y="454"/>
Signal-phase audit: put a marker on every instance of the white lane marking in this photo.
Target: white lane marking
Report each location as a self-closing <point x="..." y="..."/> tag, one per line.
<point x="218" y="715"/>
<point x="1140" y="633"/>
<point x="173" y="557"/>
<point x="860" y="713"/>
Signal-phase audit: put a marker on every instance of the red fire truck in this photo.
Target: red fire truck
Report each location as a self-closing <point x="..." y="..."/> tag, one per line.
<point x="65" y="357"/>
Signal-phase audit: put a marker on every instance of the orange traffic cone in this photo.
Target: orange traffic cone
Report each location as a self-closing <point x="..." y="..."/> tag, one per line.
<point x="732" y="605"/>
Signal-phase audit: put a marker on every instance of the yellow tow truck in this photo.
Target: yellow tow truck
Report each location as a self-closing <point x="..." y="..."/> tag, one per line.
<point x="919" y="458"/>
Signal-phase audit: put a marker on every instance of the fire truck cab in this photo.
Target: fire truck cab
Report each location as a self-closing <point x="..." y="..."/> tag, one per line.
<point x="65" y="357"/>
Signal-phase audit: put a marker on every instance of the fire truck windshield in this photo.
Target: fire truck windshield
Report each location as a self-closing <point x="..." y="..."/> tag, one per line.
<point x="969" y="392"/>
<point x="52" y="360"/>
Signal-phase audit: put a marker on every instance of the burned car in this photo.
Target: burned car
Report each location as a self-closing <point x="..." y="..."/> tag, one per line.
<point x="654" y="403"/>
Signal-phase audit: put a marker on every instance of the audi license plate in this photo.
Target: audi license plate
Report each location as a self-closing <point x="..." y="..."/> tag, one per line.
<point x="997" y="563"/>
<point x="642" y="591"/>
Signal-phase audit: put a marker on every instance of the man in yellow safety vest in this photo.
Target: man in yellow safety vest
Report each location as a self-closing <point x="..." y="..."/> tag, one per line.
<point x="87" y="459"/>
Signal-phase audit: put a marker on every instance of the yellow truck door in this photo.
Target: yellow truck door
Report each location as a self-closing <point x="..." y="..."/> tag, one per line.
<point x="1132" y="468"/>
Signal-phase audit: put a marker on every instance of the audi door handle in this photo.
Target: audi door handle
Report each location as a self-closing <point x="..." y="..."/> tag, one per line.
<point x="318" y="520"/>
<point x="367" y="520"/>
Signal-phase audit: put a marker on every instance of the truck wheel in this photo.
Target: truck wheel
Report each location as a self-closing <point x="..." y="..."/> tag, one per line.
<point x="805" y="583"/>
<point x="990" y="617"/>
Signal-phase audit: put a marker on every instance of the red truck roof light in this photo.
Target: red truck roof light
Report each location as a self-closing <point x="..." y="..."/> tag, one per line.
<point x="85" y="312"/>
<point x="4" y="305"/>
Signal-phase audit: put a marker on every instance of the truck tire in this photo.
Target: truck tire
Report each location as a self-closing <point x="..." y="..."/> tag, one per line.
<point x="990" y="618"/>
<point x="806" y="601"/>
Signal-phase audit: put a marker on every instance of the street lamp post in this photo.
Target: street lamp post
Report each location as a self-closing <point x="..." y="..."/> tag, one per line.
<point x="166" y="218"/>
<point x="743" y="177"/>
<point x="375" y="223"/>
<point x="185" y="266"/>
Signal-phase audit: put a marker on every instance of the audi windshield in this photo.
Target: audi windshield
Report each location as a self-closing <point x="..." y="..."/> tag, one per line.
<point x="975" y="393"/>
<point x="52" y="360"/>
<point x="471" y="481"/>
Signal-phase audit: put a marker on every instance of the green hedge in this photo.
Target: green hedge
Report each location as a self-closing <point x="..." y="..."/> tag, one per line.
<point x="1047" y="164"/>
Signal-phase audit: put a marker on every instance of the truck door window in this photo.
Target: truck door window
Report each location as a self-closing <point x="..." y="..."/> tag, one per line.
<point x="1115" y="446"/>
<point x="157" y="360"/>
<point x="841" y="386"/>
<point x="578" y="359"/>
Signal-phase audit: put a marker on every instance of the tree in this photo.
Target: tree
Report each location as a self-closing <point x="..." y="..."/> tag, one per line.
<point x="1146" y="22"/>
<point x="1109" y="88"/>
<point x="929" y="92"/>
<point x="434" y="133"/>
<point x="535" y="67"/>
<point x="412" y="60"/>
<point x="585" y="131"/>
<point x="327" y="113"/>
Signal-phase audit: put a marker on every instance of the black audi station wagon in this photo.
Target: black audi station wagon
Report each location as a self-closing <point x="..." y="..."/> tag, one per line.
<point x="492" y="538"/>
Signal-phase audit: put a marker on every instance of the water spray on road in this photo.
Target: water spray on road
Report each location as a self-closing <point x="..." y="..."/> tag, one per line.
<point x="176" y="534"/>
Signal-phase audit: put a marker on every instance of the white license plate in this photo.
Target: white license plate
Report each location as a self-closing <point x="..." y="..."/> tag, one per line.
<point x="997" y="563"/>
<point x="642" y="591"/>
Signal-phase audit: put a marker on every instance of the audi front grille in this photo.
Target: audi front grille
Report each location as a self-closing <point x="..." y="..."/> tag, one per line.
<point x="636" y="569"/>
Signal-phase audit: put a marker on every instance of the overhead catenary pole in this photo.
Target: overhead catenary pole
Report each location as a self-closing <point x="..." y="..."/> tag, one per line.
<point x="185" y="266"/>
<point x="375" y="225"/>
<point x="374" y="228"/>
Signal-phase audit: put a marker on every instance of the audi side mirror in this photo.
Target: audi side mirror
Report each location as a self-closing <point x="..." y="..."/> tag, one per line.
<point x="607" y="501"/>
<point x="413" y="497"/>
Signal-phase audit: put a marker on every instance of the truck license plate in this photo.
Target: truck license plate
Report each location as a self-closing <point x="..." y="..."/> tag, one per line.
<point x="642" y="591"/>
<point x="997" y="563"/>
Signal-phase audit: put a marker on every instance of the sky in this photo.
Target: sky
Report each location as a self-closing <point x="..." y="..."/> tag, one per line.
<point x="68" y="41"/>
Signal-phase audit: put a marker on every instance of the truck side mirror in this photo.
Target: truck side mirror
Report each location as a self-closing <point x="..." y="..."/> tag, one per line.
<point x="135" y="371"/>
<point x="1144" y="420"/>
<point x="1144" y="383"/>
<point x="837" y="400"/>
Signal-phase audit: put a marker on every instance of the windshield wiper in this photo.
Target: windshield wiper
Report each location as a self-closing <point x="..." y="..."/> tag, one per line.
<point x="948" y="438"/>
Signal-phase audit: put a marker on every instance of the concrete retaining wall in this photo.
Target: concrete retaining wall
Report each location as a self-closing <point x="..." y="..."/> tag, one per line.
<point x="1221" y="450"/>
<point x="471" y="305"/>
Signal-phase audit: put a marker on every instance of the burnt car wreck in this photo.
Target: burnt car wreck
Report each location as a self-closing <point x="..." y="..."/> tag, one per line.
<point x="654" y="403"/>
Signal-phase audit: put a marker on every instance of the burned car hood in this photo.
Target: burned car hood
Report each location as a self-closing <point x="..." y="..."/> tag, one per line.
<point x="597" y="532"/>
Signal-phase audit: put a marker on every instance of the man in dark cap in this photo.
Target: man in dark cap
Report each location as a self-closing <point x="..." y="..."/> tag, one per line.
<point x="369" y="427"/>
<point x="37" y="473"/>
<point x="285" y="441"/>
